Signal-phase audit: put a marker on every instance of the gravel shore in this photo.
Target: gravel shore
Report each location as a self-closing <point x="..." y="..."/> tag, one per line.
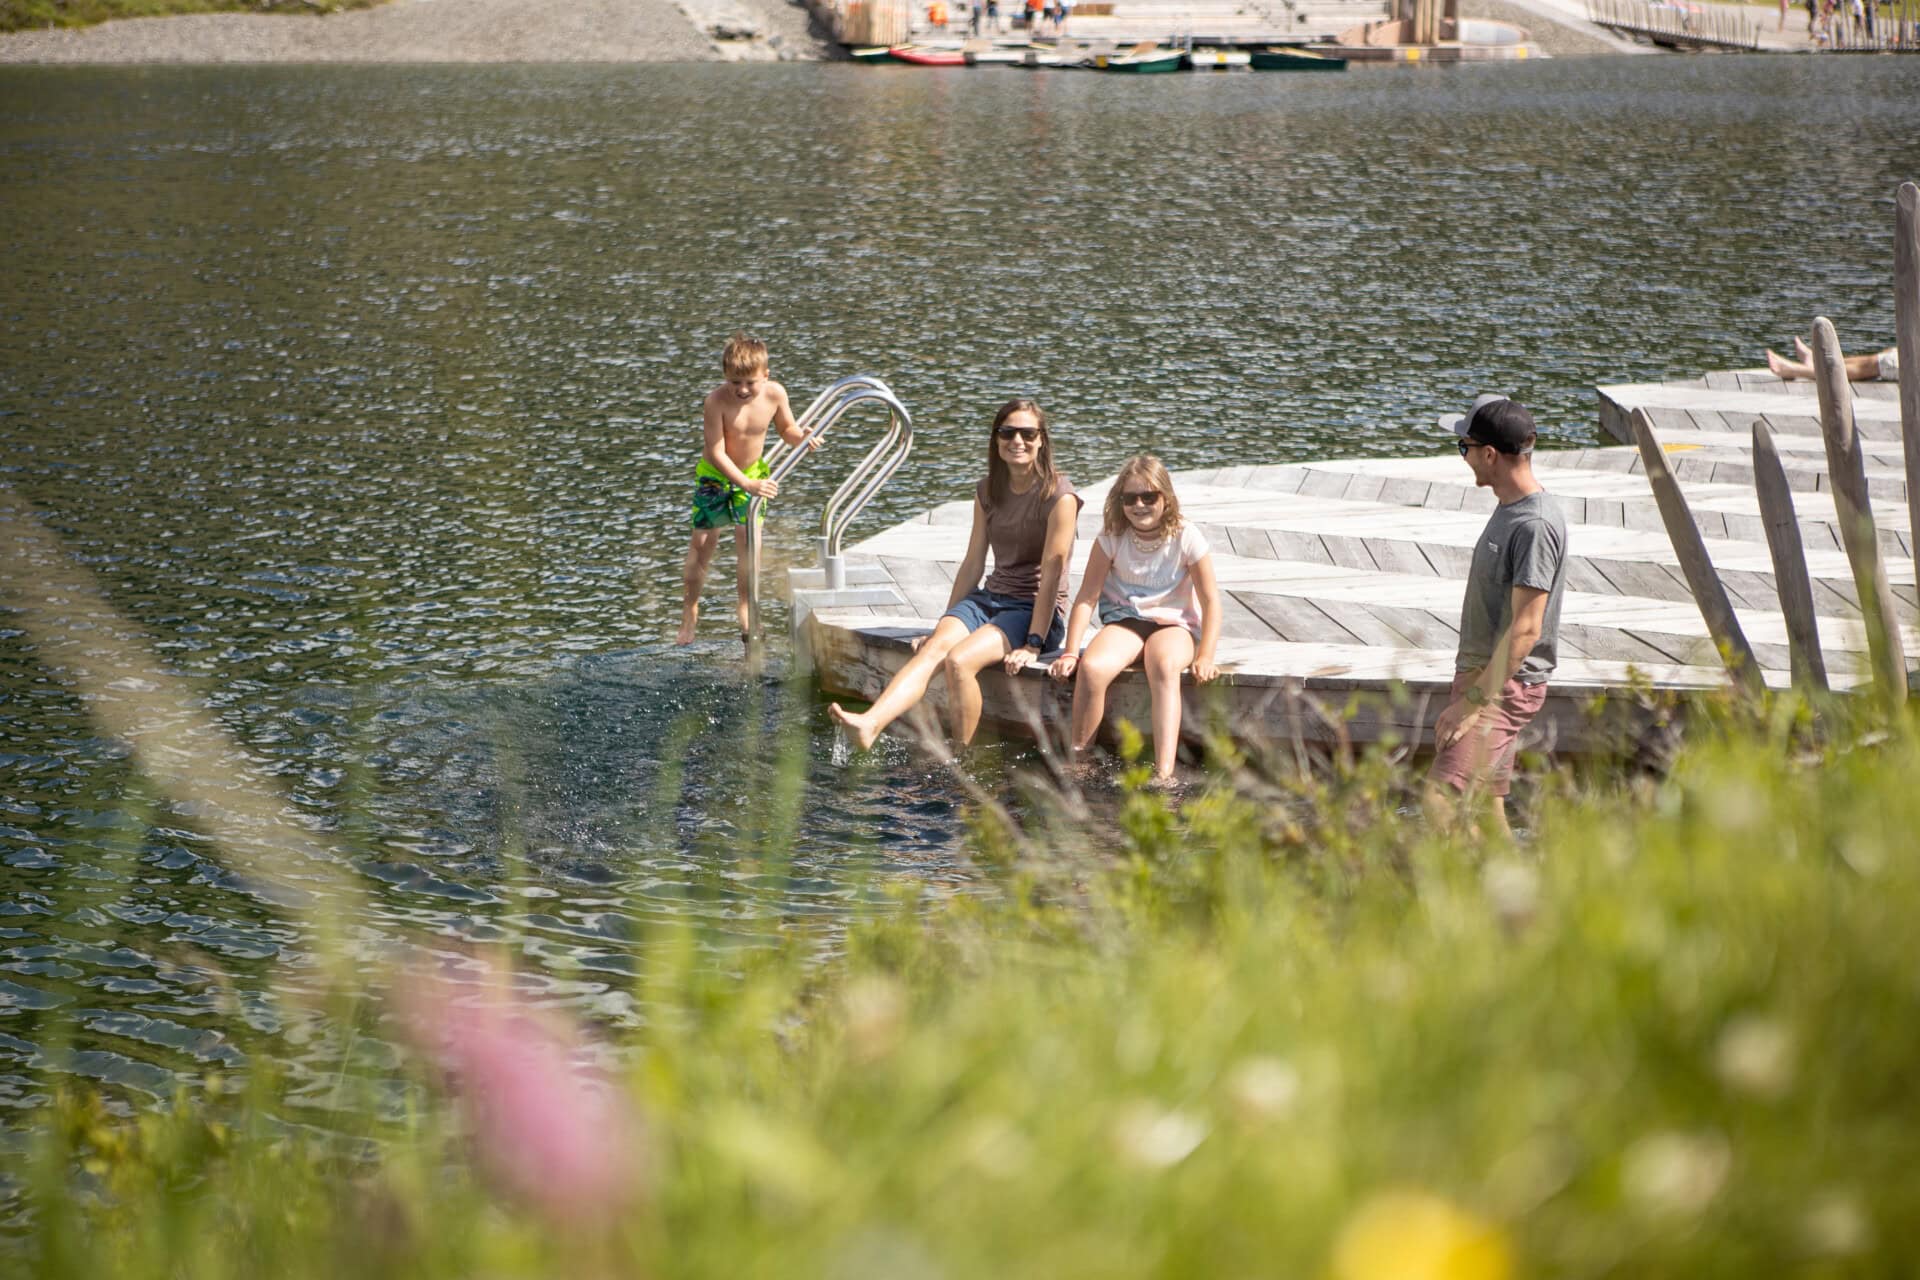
<point x="444" y="31"/>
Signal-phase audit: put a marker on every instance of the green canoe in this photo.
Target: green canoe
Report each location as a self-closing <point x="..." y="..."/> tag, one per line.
<point x="1285" y="59"/>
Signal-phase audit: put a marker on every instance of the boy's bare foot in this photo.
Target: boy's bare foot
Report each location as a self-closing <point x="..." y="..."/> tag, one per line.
<point x="686" y="629"/>
<point x="857" y="726"/>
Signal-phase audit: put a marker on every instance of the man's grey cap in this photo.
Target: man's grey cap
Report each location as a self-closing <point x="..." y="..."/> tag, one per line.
<point x="1458" y="423"/>
<point x="1505" y="431"/>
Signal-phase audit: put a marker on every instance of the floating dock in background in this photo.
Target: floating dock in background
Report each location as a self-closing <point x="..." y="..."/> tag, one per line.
<point x="1344" y="578"/>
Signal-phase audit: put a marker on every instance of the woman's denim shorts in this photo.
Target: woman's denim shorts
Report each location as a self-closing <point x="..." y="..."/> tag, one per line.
<point x="1012" y="614"/>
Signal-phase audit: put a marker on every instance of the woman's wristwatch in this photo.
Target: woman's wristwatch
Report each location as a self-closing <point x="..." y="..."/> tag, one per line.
<point x="1036" y="642"/>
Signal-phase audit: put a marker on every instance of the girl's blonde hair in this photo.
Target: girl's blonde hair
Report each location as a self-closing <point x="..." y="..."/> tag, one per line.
<point x="1150" y="473"/>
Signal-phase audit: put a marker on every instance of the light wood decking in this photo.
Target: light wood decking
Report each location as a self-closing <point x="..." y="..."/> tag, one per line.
<point x="1344" y="577"/>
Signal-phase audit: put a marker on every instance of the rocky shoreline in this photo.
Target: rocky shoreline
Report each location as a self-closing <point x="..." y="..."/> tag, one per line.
<point x="449" y="31"/>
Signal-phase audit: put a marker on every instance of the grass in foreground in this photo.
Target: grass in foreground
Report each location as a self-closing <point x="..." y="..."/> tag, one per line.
<point x="34" y="15"/>
<point x="1282" y="1031"/>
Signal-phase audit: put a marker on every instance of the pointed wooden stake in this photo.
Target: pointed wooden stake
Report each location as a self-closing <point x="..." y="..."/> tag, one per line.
<point x="1722" y="624"/>
<point x="1906" y="329"/>
<point x="1795" y="588"/>
<point x="1847" y="469"/>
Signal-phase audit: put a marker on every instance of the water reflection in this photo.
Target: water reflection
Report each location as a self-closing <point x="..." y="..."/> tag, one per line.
<point x="372" y="394"/>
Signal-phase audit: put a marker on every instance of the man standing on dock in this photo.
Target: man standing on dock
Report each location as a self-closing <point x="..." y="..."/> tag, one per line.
<point x="1510" y="619"/>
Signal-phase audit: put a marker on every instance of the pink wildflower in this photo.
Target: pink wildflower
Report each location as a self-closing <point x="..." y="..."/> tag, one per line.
<point x="546" y="1130"/>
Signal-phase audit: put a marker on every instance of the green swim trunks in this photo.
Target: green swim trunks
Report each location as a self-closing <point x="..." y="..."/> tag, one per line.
<point x="717" y="501"/>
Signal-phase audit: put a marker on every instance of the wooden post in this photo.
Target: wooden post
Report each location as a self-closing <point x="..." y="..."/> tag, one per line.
<point x="1789" y="563"/>
<point x="1906" y="328"/>
<point x="1722" y="624"/>
<point x="1847" y="469"/>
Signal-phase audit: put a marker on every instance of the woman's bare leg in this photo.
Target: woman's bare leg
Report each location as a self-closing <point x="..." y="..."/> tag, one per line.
<point x="1168" y="652"/>
<point x="1106" y="656"/>
<point x="908" y="686"/>
<point x="965" y="661"/>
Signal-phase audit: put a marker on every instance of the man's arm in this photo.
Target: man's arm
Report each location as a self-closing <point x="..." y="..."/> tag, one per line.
<point x="1527" y="609"/>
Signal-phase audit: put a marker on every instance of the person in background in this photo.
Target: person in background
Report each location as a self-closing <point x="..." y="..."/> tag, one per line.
<point x="1151" y="574"/>
<point x="1024" y="511"/>
<point x="1509" y="618"/>
<point x="1883" y="366"/>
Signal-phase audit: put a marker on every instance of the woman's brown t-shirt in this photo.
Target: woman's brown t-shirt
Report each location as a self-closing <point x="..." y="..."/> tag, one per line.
<point x="1017" y="535"/>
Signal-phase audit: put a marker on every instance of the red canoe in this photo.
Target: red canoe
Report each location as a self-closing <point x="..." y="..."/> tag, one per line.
<point x="931" y="57"/>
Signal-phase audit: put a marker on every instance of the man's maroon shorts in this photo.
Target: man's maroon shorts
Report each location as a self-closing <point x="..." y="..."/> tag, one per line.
<point x="1485" y="755"/>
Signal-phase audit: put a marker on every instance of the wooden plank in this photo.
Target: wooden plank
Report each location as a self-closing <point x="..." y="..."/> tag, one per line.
<point x="1698" y="566"/>
<point x="1294" y="619"/>
<point x="1789" y="563"/>
<point x="1906" y="328"/>
<point x="1855" y="511"/>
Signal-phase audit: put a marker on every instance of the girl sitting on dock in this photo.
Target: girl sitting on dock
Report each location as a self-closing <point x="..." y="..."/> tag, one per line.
<point x="1152" y="576"/>
<point x="1025" y="511"/>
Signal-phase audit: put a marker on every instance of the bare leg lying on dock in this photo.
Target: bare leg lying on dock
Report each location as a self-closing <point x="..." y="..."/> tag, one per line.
<point x="907" y="687"/>
<point x="1859" y="368"/>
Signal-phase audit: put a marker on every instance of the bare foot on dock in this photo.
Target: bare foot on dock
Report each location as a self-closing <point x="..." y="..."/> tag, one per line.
<point x="688" y="617"/>
<point x="857" y="726"/>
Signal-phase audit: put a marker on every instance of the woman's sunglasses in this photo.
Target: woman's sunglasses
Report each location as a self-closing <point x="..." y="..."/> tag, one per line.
<point x="1029" y="434"/>
<point x="1148" y="498"/>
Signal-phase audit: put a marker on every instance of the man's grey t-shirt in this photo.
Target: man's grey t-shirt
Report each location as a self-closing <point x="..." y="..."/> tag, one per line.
<point x="1523" y="545"/>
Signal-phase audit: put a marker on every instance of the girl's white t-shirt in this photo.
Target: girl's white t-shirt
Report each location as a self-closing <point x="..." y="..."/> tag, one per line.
<point x="1156" y="585"/>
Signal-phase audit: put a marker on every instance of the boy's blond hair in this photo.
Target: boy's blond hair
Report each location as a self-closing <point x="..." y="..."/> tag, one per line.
<point x="1152" y="474"/>
<point x="744" y="357"/>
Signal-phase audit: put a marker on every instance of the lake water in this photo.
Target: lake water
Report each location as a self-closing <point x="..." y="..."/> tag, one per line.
<point x="372" y="393"/>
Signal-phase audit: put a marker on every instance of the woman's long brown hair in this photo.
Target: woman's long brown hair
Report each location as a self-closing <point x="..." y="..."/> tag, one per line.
<point x="999" y="475"/>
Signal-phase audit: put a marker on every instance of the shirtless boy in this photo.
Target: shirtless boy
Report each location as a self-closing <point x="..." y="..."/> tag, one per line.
<point x="731" y="473"/>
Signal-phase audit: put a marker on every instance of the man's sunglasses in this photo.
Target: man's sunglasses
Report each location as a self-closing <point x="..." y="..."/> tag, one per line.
<point x="1029" y="434"/>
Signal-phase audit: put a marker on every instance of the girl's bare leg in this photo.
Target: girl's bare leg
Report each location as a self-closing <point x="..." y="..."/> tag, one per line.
<point x="1106" y="656"/>
<point x="1169" y="651"/>
<point x="908" y="686"/>
<point x="965" y="661"/>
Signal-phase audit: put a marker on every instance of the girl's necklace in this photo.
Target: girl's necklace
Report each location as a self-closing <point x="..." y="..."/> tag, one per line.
<point x="1147" y="546"/>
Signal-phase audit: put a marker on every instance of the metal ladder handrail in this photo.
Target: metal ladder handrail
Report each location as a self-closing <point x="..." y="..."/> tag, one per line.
<point x="806" y="420"/>
<point x="834" y="520"/>
<point x="879" y="463"/>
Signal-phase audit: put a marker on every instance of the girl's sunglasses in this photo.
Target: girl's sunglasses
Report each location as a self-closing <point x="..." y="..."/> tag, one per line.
<point x="1029" y="434"/>
<point x="1147" y="498"/>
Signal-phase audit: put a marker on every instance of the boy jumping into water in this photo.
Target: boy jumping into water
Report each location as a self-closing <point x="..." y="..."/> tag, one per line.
<point x="731" y="473"/>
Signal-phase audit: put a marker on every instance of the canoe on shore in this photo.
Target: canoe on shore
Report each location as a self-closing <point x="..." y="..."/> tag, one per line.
<point x="874" y="53"/>
<point x="1218" y="59"/>
<point x="919" y="57"/>
<point x="1154" y="62"/>
<point x="1286" y="59"/>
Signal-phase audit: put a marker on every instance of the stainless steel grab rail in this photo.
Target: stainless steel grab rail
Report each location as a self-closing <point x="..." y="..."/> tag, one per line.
<point x="868" y="475"/>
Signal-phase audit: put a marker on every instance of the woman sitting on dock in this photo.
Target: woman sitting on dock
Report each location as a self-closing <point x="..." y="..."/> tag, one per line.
<point x="1152" y="574"/>
<point x="1025" y="511"/>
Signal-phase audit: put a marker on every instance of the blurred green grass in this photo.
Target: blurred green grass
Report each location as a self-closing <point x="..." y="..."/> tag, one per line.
<point x="1284" y="1028"/>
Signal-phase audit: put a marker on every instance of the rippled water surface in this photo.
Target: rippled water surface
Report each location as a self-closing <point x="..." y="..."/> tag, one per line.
<point x="372" y="394"/>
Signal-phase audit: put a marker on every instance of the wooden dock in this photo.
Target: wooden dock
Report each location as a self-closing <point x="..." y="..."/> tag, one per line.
<point x="1345" y="577"/>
